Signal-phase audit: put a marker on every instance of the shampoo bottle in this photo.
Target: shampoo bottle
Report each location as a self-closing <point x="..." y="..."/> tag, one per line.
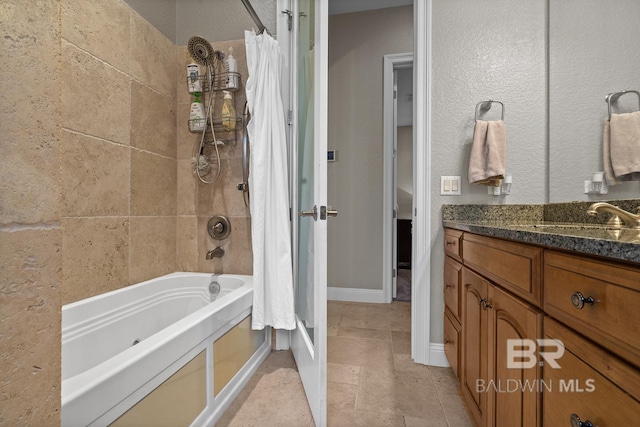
<point x="231" y="67"/>
<point x="228" y="112"/>
<point x="193" y="78"/>
<point x="197" y="118"/>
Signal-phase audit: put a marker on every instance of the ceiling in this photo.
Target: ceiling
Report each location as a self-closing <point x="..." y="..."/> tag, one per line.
<point x="337" y="7"/>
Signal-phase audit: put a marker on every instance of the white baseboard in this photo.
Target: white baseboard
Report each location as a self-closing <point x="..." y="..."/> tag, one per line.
<point x="437" y="356"/>
<point x="355" y="295"/>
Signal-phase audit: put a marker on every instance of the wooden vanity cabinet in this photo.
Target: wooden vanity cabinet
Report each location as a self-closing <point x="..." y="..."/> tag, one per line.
<point x="491" y="317"/>
<point x="452" y="301"/>
<point x="591" y="384"/>
<point x="510" y="290"/>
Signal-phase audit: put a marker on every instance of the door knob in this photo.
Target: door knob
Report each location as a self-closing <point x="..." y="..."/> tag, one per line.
<point x="311" y="212"/>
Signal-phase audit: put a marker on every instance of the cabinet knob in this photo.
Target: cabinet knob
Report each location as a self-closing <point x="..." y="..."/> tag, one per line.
<point x="576" y="422"/>
<point x="485" y="303"/>
<point x="578" y="300"/>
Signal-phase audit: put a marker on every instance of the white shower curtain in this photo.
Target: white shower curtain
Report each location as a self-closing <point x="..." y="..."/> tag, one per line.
<point x="268" y="182"/>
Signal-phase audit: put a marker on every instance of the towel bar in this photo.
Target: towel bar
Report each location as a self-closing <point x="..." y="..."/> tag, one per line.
<point x="486" y="105"/>
<point x="613" y="97"/>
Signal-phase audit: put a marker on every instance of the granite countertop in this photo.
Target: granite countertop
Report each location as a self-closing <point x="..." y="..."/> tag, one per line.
<point x="561" y="226"/>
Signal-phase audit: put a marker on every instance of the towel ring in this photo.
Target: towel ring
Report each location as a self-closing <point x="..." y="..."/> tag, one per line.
<point x="486" y="106"/>
<point x="613" y="97"/>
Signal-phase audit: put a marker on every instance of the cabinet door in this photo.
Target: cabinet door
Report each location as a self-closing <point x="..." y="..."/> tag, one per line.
<point x="473" y="370"/>
<point x="591" y="384"/>
<point x="452" y="273"/>
<point x="514" y="401"/>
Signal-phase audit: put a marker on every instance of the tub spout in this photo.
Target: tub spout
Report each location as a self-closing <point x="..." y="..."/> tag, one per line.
<point x="215" y="253"/>
<point x="630" y="220"/>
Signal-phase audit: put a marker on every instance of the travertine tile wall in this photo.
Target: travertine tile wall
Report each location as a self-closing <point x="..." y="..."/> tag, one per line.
<point x="97" y="190"/>
<point x="30" y="233"/>
<point x="118" y="144"/>
<point x="197" y="202"/>
<point x="89" y="177"/>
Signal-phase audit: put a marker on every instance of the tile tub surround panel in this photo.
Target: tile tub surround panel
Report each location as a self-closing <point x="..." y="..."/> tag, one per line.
<point x="187" y="243"/>
<point x="153" y="184"/>
<point x="94" y="176"/>
<point x="94" y="96"/>
<point x="95" y="248"/>
<point x="30" y="109"/>
<point x="153" y="121"/>
<point x="100" y="27"/>
<point x="30" y="327"/>
<point x="152" y="57"/>
<point x="152" y="247"/>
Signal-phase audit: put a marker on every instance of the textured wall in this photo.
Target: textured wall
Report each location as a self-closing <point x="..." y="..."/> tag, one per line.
<point x="593" y="51"/>
<point x="355" y="131"/>
<point x="197" y="202"/>
<point x="499" y="55"/>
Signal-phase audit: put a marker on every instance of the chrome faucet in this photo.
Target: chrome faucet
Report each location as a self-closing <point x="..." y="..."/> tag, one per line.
<point x="630" y="220"/>
<point x="215" y="253"/>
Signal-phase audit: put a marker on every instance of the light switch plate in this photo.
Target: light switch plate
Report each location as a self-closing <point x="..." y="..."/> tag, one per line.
<point x="450" y="186"/>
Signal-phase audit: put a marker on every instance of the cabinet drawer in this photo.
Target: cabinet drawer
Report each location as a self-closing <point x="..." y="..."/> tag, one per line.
<point x="452" y="245"/>
<point x="613" y="319"/>
<point x="514" y="266"/>
<point x="452" y="277"/>
<point x="451" y="342"/>
<point x="580" y="387"/>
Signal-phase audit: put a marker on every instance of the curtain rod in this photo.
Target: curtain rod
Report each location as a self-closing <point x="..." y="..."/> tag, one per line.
<point x="254" y="16"/>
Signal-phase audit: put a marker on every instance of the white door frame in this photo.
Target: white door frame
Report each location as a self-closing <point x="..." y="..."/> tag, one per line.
<point x="421" y="347"/>
<point x="391" y="63"/>
<point x="422" y="351"/>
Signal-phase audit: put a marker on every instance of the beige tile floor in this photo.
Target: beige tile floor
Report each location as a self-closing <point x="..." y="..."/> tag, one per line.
<point x="371" y="381"/>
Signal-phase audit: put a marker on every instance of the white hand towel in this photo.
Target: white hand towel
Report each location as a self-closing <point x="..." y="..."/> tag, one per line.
<point x="487" y="162"/>
<point x="609" y="175"/>
<point x="625" y="143"/>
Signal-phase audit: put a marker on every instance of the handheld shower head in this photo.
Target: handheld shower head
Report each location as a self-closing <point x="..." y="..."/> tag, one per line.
<point x="200" y="50"/>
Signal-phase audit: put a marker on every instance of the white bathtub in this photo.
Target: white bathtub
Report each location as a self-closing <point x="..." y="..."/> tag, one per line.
<point x="120" y="346"/>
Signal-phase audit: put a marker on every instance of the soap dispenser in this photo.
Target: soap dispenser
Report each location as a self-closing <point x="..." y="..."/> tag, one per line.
<point x="228" y="112"/>
<point x="197" y="118"/>
<point x="231" y="67"/>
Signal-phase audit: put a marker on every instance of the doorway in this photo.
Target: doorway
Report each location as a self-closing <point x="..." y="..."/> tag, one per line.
<point x="398" y="177"/>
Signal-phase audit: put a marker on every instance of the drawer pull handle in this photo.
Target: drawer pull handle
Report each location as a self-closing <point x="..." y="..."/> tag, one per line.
<point x="448" y="286"/>
<point x="578" y="300"/>
<point x="450" y="243"/>
<point x="576" y="422"/>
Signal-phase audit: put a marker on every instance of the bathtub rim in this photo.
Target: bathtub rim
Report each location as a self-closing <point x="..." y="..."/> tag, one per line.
<point x="99" y="389"/>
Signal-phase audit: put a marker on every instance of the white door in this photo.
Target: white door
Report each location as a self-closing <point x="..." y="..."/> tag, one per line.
<point x="310" y="71"/>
